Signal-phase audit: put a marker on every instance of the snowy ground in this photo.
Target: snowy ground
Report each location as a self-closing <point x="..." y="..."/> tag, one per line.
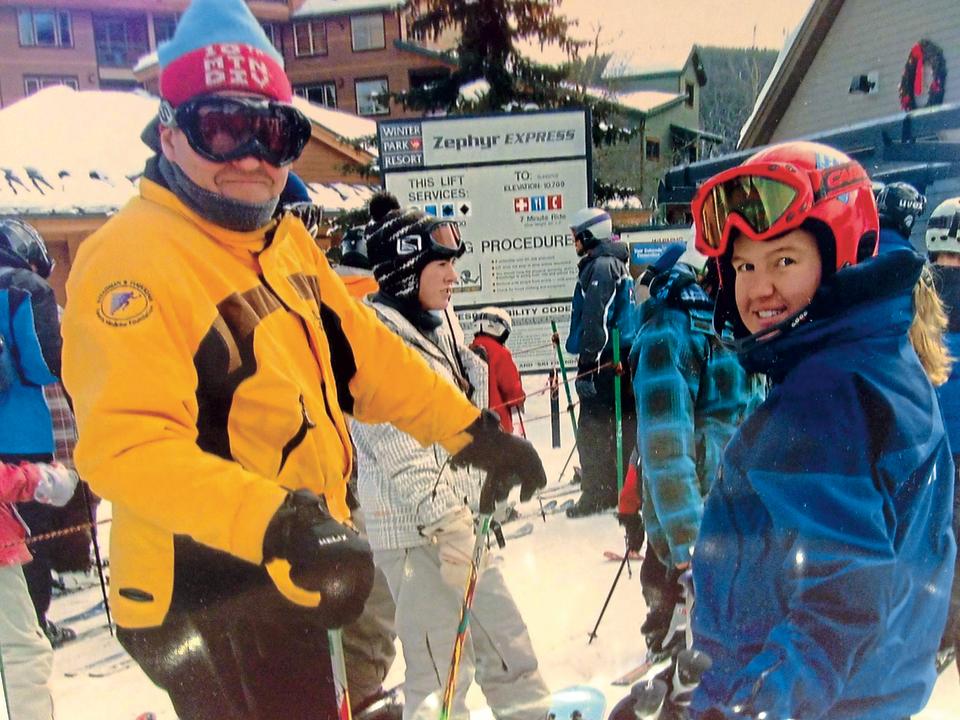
<point x="558" y="576"/>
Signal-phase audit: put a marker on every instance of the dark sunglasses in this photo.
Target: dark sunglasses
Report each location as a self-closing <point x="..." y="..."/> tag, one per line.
<point x="222" y="128"/>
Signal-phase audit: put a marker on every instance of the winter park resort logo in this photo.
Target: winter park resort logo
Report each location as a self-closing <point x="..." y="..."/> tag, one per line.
<point x="124" y="303"/>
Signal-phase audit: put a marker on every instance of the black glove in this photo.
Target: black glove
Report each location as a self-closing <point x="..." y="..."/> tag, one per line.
<point x="632" y="525"/>
<point x="507" y="459"/>
<point x="325" y="556"/>
<point x="586" y="389"/>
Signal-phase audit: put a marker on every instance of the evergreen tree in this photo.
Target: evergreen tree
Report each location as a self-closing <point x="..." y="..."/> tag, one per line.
<point x="488" y="52"/>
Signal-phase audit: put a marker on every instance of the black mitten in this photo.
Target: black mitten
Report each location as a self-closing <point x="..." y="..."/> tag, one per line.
<point x="507" y="459"/>
<point x="632" y="524"/>
<point x="325" y="556"/>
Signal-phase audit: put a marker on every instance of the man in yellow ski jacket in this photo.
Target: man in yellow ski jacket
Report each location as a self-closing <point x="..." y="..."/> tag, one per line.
<point x="212" y="354"/>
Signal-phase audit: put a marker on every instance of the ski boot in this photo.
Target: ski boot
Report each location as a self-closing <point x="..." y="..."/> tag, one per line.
<point x="645" y="702"/>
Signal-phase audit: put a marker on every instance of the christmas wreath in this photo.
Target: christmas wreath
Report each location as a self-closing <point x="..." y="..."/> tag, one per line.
<point x="923" y="53"/>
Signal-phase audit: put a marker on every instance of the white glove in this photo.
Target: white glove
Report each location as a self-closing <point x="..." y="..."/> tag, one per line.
<point x="56" y="485"/>
<point x="454" y="536"/>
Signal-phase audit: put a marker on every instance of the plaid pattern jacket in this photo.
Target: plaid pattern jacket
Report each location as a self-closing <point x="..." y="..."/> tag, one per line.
<point x="691" y="395"/>
<point x="64" y="425"/>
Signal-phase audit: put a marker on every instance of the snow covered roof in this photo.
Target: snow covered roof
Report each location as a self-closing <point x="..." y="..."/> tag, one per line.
<point x="69" y="152"/>
<point x="312" y="8"/>
<point x="678" y="58"/>
<point x="64" y="152"/>
<point x="646" y="100"/>
<point x="342" y="124"/>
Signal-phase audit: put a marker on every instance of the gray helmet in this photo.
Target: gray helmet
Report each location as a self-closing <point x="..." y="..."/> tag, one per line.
<point x="495" y="322"/>
<point x="591" y="226"/>
<point x="21" y="246"/>
<point x="943" y="227"/>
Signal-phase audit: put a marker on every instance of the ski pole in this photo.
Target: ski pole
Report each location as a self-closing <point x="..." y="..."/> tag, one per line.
<point x="617" y="408"/>
<point x="339" y="667"/>
<point x="563" y="373"/>
<point x="523" y="429"/>
<point x="487" y="506"/>
<point x="593" y="633"/>
<point x="96" y="554"/>
<point x="567" y="463"/>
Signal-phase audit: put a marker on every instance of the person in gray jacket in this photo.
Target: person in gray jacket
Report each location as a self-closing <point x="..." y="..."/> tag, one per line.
<point x="420" y="510"/>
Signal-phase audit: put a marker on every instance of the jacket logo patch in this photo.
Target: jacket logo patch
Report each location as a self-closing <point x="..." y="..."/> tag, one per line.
<point x="124" y="303"/>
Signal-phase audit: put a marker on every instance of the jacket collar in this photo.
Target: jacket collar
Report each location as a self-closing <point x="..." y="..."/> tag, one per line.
<point x="254" y="241"/>
<point x="401" y="325"/>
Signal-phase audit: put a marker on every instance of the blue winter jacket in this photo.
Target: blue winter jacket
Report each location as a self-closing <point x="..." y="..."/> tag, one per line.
<point x="691" y="394"/>
<point x="31" y="340"/>
<point x="823" y="568"/>
<point x="602" y="301"/>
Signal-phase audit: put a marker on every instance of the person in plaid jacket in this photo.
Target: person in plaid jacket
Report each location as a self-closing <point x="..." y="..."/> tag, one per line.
<point x="691" y="394"/>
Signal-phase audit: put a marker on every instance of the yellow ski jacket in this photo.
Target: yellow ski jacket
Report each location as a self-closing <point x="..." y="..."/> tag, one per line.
<point x="210" y="372"/>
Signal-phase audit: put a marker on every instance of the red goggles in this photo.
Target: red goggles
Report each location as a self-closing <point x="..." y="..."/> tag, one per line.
<point x="224" y="128"/>
<point x="764" y="200"/>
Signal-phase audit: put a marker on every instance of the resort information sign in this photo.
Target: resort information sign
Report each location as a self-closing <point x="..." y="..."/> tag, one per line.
<point x="510" y="181"/>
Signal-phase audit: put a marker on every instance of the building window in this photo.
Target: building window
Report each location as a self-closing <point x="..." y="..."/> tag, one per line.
<point x="163" y="27"/>
<point x="34" y="83"/>
<point x="690" y="94"/>
<point x="371" y="97"/>
<point x="321" y="93"/>
<point x="275" y="34"/>
<point x="366" y="32"/>
<point x="45" y="28"/>
<point x="310" y="38"/>
<point x="652" y="149"/>
<point x="120" y="39"/>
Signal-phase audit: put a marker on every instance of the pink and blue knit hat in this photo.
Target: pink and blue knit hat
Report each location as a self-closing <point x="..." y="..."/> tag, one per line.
<point x="219" y="45"/>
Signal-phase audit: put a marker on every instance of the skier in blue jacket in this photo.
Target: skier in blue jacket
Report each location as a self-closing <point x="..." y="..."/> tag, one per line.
<point x="30" y="331"/>
<point x="602" y="302"/>
<point x="825" y="555"/>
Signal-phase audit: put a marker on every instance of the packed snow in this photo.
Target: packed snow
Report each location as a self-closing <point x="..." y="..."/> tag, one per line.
<point x="558" y="576"/>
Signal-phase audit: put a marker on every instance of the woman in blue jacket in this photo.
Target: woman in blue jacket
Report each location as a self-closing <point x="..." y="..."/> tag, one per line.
<point x="825" y="555"/>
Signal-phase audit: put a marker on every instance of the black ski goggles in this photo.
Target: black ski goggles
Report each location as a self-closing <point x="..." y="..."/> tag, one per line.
<point x="222" y="128"/>
<point x="440" y="238"/>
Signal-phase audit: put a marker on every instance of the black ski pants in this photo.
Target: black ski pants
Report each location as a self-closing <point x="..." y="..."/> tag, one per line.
<point x="597" y="439"/>
<point x="661" y="593"/>
<point x="217" y="665"/>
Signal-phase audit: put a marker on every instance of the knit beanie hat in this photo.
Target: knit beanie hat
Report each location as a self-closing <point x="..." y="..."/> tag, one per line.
<point x="395" y="246"/>
<point x="219" y="45"/>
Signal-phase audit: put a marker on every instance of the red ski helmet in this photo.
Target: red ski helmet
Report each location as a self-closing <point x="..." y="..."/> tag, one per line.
<point x="781" y="188"/>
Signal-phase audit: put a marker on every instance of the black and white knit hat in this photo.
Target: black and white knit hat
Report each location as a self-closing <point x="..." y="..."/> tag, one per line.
<point x="395" y="247"/>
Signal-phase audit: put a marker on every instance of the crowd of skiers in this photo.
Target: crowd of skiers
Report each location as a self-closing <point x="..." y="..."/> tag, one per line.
<point x="297" y="456"/>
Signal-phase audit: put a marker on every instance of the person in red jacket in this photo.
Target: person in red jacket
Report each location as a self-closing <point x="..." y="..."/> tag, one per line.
<point x="26" y="658"/>
<point x="506" y="389"/>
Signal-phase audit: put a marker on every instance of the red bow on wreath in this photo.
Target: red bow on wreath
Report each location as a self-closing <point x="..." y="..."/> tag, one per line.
<point x="911" y="84"/>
